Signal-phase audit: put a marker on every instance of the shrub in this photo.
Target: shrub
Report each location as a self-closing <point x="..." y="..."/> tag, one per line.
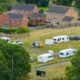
<point x="15" y="31"/>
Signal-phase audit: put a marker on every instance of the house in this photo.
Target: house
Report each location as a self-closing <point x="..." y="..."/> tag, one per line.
<point x="13" y="20"/>
<point x="56" y="13"/>
<point x="37" y="18"/>
<point x="27" y="9"/>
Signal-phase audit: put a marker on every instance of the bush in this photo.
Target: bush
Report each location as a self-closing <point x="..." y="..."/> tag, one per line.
<point x="15" y="31"/>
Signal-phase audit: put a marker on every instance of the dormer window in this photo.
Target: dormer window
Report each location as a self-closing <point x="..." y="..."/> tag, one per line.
<point x="6" y="21"/>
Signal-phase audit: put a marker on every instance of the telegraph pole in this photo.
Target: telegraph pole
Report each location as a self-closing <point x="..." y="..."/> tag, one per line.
<point x="12" y="67"/>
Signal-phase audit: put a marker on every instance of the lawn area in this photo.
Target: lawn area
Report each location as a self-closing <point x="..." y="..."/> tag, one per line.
<point x="41" y="35"/>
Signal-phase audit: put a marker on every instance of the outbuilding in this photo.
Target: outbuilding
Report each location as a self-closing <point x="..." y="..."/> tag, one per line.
<point x="67" y="53"/>
<point x="49" y="42"/>
<point x="59" y="39"/>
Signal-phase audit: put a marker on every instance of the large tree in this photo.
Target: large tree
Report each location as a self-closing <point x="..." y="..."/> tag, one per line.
<point x="77" y="3"/>
<point x="16" y="59"/>
<point x="73" y="71"/>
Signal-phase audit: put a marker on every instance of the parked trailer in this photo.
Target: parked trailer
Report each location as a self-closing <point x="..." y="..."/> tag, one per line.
<point x="62" y="38"/>
<point x="45" y="57"/>
<point x="49" y="42"/>
<point x="67" y="53"/>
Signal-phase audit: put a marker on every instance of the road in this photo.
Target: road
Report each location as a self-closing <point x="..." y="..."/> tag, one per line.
<point x="52" y="65"/>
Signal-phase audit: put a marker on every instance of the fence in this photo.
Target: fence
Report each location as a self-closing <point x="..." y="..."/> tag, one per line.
<point x="15" y="36"/>
<point x="55" y="26"/>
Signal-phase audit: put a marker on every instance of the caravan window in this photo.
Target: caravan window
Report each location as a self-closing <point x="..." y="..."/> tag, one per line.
<point x="74" y="51"/>
<point x="62" y="38"/>
<point x="61" y="53"/>
<point x="58" y="39"/>
<point x="67" y="54"/>
<point x="54" y="39"/>
<point x="67" y="38"/>
<point x="50" y="56"/>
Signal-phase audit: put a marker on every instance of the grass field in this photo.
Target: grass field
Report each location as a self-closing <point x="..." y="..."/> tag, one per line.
<point x="41" y="35"/>
<point x="52" y="73"/>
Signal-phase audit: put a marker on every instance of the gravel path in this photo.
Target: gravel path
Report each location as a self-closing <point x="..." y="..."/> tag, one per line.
<point x="52" y="65"/>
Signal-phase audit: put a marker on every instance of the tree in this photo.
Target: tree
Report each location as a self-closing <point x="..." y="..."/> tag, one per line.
<point x="16" y="59"/>
<point x="4" y="70"/>
<point x="73" y="71"/>
<point x="77" y="3"/>
<point x="63" y="2"/>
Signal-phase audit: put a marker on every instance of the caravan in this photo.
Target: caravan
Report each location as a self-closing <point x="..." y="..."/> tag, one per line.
<point x="49" y="42"/>
<point x="67" y="53"/>
<point x="62" y="38"/>
<point x="45" y="57"/>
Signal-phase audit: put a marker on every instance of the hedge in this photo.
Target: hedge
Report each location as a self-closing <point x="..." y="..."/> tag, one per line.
<point x="15" y="31"/>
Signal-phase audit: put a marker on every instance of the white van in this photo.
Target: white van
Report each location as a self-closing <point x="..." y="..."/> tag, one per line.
<point x="49" y="42"/>
<point x="67" y="53"/>
<point x="45" y="57"/>
<point x="6" y="39"/>
<point x="62" y="38"/>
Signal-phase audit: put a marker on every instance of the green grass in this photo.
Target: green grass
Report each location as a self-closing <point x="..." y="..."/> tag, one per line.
<point x="41" y="35"/>
<point x="52" y="72"/>
<point x="44" y="8"/>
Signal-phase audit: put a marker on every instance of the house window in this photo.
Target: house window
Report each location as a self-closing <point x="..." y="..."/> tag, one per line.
<point x="6" y="21"/>
<point x="6" y="26"/>
<point x="29" y="18"/>
<point x="17" y="26"/>
<point x="12" y="26"/>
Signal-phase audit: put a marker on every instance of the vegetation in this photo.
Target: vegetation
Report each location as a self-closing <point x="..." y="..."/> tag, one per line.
<point x="73" y="71"/>
<point x="42" y="3"/>
<point x="77" y="3"/>
<point x="52" y="73"/>
<point x="15" y="31"/>
<point x="14" y="61"/>
<point x="5" y="5"/>
<point x="63" y="2"/>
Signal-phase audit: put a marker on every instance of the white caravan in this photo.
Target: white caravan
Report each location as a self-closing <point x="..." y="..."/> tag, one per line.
<point x="6" y="39"/>
<point x="62" y="38"/>
<point x="45" y="57"/>
<point x="49" y="42"/>
<point x="67" y="53"/>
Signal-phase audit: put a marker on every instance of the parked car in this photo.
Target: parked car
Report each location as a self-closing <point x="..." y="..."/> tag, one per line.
<point x="17" y="42"/>
<point x="6" y="39"/>
<point x="31" y="60"/>
<point x="74" y="38"/>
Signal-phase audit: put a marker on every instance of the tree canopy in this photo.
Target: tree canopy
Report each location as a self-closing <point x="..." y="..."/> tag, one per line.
<point x="73" y="71"/>
<point x="77" y="3"/>
<point x="63" y="2"/>
<point x="13" y="57"/>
